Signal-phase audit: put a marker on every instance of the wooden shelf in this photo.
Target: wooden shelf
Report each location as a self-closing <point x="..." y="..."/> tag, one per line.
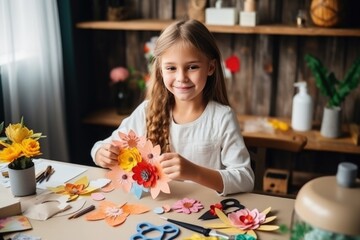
<point x="344" y="144"/>
<point x="275" y="29"/>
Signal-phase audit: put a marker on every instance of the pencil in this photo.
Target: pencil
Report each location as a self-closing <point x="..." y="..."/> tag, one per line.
<point x="82" y="212"/>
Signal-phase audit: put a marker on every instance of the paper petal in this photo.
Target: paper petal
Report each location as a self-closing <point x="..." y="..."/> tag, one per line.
<point x="95" y="215"/>
<point x="115" y="221"/>
<point x="108" y="188"/>
<point x="84" y="180"/>
<point x="269" y="219"/>
<point x="97" y="196"/>
<point x="72" y="197"/>
<point x="99" y="183"/>
<point x="137" y="190"/>
<point x="135" y="208"/>
<point x="232" y="231"/>
<point x="268" y="228"/>
<point x="266" y="211"/>
<point x="217" y="225"/>
<point x="223" y="217"/>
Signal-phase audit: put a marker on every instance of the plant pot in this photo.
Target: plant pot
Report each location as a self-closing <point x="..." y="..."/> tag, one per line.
<point x="22" y="182"/>
<point x="331" y="122"/>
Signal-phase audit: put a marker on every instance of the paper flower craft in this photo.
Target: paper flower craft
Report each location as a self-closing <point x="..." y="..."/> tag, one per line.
<point x="244" y="221"/>
<point x="187" y="206"/>
<point x="74" y="190"/>
<point x="115" y="214"/>
<point x="138" y="169"/>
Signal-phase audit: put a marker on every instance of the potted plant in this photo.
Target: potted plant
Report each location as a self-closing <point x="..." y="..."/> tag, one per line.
<point x="335" y="90"/>
<point x="18" y="148"/>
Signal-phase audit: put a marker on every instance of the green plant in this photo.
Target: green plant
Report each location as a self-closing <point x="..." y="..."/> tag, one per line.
<point x="329" y="85"/>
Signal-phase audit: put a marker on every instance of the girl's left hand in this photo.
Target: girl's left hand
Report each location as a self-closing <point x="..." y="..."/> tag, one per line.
<point x="177" y="167"/>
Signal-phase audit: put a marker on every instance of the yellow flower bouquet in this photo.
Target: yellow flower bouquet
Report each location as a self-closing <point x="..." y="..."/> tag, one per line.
<point x="19" y="146"/>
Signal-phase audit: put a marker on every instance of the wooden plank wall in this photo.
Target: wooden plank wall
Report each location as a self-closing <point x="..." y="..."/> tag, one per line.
<point x="270" y="64"/>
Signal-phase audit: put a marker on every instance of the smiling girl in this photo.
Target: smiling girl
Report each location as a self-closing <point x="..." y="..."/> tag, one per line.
<point x="188" y="114"/>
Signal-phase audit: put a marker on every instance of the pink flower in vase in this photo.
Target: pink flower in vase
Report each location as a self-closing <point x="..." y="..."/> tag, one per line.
<point x="119" y="74"/>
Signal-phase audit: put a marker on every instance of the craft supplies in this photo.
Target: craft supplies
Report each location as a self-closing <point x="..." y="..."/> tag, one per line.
<point x="168" y="231"/>
<point x="226" y="204"/>
<point x="204" y="231"/>
<point x="82" y="212"/>
<point x="45" y="174"/>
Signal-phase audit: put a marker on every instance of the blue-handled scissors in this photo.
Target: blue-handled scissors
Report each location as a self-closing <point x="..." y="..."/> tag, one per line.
<point x="228" y="205"/>
<point x="167" y="232"/>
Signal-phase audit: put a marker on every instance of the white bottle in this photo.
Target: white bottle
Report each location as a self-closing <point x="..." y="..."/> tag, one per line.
<point x="302" y="109"/>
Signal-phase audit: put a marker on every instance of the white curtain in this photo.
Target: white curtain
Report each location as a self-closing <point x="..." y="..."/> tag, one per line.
<point x="31" y="71"/>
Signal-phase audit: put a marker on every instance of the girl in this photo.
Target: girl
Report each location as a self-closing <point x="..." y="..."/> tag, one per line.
<point x="188" y="114"/>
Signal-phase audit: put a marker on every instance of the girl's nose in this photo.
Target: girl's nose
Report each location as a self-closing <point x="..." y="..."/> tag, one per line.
<point x="181" y="76"/>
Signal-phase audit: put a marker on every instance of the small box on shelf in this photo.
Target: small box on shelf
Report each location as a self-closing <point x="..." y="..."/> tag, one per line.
<point x="248" y="19"/>
<point x="221" y="16"/>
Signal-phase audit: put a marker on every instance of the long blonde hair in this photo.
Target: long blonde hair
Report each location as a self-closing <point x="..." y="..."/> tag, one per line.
<point x="161" y="101"/>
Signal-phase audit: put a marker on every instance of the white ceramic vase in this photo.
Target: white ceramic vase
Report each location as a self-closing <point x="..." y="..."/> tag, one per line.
<point x="331" y="122"/>
<point x="22" y="182"/>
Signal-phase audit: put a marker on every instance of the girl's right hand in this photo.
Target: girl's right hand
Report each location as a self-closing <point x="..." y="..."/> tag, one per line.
<point x="106" y="156"/>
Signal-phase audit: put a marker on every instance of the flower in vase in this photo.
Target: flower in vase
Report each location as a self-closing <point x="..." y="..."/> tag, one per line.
<point x="19" y="146"/>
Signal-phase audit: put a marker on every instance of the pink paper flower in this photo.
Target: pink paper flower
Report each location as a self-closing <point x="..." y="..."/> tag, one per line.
<point x="121" y="178"/>
<point x="246" y="219"/>
<point x="130" y="140"/>
<point x="119" y="74"/>
<point x="149" y="152"/>
<point x="187" y="206"/>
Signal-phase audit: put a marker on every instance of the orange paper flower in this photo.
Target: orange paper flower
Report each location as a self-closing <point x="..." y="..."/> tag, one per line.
<point x="115" y="214"/>
<point x="74" y="190"/>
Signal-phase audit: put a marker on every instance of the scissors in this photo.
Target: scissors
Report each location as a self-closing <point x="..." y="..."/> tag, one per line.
<point x="228" y="205"/>
<point x="167" y="231"/>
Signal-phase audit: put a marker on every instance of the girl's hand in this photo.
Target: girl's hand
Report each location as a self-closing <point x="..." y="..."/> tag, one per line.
<point x="106" y="156"/>
<point x="176" y="167"/>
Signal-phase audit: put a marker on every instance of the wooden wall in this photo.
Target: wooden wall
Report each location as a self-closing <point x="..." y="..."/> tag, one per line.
<point x="270" y="64"/>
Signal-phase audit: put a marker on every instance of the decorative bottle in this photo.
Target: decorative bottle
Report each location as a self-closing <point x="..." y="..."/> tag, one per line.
<point x="302" y="109"/>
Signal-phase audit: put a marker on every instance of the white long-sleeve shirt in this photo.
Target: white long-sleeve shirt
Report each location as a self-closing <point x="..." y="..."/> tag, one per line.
<point x="213" y="141"/>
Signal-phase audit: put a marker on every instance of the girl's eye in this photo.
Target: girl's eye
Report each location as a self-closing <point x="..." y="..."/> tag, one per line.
<point x="192" y="67"/>
<point x="170" y="68"/>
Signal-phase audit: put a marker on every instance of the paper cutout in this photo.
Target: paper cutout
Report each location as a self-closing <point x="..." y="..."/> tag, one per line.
<point x="108" y="188"/>
<point x="187" y="206"/>
<point x="74" y="190"/>
<point x="168" y="231"/>
<point x="158" y="210"/>
<point x="14" y="224"/>
<point x="226" y="205"/>
<point x="244" y="221"/>
<point x="49" y="205"/>
<point x="97" y="196"/>
<point x="115" y="214"/>
<point x="138" y="169"/>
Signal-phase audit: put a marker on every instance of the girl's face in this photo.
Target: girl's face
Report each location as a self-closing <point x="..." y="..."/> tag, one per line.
<point x="185" y="70"/>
